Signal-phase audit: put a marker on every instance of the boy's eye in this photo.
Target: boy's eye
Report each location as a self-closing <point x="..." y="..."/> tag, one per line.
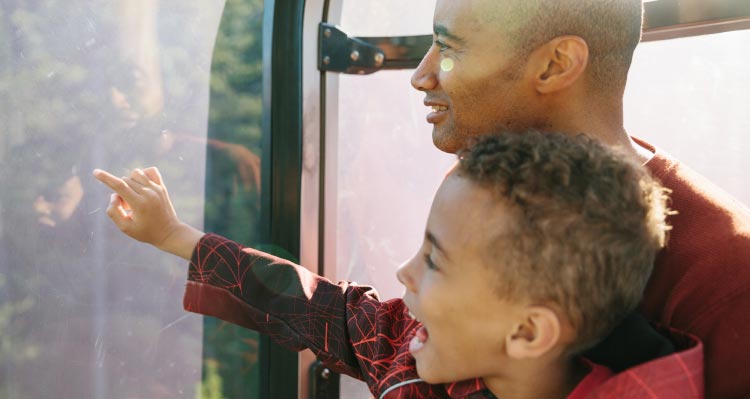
<point x="430" y="264"/>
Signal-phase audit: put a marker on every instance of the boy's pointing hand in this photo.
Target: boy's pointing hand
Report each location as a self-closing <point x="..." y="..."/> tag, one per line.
<point x="141" y="208"/>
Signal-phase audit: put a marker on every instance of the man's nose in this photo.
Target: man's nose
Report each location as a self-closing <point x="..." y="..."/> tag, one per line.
<point x="424" y="77"/>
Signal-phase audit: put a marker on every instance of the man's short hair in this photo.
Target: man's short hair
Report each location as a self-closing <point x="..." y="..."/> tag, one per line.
<point x="611" y="28"/>
<point x="585" y="225"/>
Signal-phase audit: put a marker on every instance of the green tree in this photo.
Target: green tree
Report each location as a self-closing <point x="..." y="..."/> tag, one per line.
<point x="233" y="200"/>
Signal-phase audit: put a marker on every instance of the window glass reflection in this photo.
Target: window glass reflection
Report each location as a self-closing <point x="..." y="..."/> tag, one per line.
<point x="84" y="313"/>
<point x="690" y="97"/>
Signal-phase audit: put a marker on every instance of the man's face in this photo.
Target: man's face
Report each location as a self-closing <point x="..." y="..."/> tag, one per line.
<point x="452" y="291"/>
<point x="471" y="76"/>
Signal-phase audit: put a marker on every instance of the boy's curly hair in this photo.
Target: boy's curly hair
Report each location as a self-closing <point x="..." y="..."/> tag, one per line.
<point x="586" y="225"/>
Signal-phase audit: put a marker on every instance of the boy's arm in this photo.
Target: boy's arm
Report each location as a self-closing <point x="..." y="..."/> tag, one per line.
<point x="296" y="308"/>
<point x="344" y="324"/>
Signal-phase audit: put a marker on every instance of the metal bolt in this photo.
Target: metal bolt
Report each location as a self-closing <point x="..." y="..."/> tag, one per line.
<point x="327" y="33"/>
<point x="379" y="58"/>
<point x="354" y="55"/>
<point x="326" y="60"/>
<point x="325" y="374"/>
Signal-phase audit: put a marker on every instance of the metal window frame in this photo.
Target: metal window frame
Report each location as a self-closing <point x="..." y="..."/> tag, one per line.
<point x="282" y="128"/>
<point x="318" y="180"/>
<point x="281" y="158"/>
<point x="672" y="19"/>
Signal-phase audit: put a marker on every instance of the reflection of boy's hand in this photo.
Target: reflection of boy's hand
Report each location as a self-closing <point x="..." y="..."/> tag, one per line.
<point x="140" y="206"/>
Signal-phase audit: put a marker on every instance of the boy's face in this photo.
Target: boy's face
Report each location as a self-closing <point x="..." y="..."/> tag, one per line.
<point x="451" y="289"/>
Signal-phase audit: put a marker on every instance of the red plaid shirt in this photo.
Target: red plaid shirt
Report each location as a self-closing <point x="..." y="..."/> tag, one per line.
<point x="354" y="333"/>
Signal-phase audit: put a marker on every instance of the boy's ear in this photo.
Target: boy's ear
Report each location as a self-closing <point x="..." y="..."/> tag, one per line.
<point x="536" y="335"/>
<point x="559" y="63"/>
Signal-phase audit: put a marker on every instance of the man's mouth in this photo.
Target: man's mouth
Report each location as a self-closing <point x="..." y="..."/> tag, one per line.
<point x="439" y="113"/>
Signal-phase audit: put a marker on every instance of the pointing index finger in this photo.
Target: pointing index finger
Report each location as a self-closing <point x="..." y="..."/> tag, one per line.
<point x="116" y="184"/>
<point x="153" y="174"/>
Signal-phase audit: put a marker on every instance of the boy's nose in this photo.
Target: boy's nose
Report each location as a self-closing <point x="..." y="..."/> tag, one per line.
<point x="424" y="78"/>
<point x="403" y="274"/>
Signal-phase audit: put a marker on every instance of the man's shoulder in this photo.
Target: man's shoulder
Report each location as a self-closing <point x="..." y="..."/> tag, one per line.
<point x="705" y="216"/>
<point x="707" y="257"/>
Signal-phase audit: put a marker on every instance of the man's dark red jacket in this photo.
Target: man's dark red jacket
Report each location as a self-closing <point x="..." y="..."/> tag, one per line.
<point x="701" y="281"/>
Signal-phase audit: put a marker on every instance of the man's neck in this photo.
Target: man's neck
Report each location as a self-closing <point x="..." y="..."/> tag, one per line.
<point x="612" y="135"/>
<point x="600" y="119"/>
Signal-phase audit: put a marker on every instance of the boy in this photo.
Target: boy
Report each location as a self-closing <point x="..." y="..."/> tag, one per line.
<point x="536" y="246"/>
<point x="563" y="66"/>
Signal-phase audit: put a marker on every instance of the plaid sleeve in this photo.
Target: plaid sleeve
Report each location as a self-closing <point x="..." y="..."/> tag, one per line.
<point x="344" y="324"/>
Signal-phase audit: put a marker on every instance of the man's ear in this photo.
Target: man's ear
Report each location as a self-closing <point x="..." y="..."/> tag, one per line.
<point x="536" y="335"/>
<point x="559" y="63"/>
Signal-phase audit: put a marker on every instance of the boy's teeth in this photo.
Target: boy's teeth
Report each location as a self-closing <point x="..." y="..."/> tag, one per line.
<point x="439" y="108"/>
<point x="418" y="341"/>
<point x="415" y="344"/>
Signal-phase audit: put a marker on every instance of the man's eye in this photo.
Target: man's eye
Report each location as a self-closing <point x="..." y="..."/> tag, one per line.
<point x="442" y="46"/>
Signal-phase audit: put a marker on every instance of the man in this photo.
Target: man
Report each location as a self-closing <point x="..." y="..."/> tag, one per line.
<point x="562" y="66"/>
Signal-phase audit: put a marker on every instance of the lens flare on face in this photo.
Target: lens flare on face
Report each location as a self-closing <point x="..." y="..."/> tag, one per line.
<point x="446" y="65"/>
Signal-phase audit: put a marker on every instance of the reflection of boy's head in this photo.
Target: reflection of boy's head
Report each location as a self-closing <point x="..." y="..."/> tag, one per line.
<point x="536" y="246"/>
<point x="135" y="92"/>
<point x="582" y="229"/>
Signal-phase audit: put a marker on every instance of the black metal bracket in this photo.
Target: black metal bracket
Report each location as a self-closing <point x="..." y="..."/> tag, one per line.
<point x="337" y="52"/>
<point x="324" y="383"/>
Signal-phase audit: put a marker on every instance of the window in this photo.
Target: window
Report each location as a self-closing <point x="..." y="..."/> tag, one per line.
<point x="84" y="311"/>
<point x="690" y="97"/>
<point x="383" y="189"/>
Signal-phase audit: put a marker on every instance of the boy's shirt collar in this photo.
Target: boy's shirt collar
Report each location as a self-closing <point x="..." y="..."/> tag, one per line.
<point x="593" y="380"/>
<point x="476" y="389"/>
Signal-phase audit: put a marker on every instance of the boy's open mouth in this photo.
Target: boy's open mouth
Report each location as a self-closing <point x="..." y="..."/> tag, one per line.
<point x="420" y="337"/>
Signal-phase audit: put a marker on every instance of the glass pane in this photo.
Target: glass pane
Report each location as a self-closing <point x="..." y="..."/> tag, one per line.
<point x="84" y="311"/>
<point x="384" y="143"/>
<point x="231" y="366"/>
<point x="385" y="190"/>
<point x="691" y="97"/>
<point x="387" y="17"/>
